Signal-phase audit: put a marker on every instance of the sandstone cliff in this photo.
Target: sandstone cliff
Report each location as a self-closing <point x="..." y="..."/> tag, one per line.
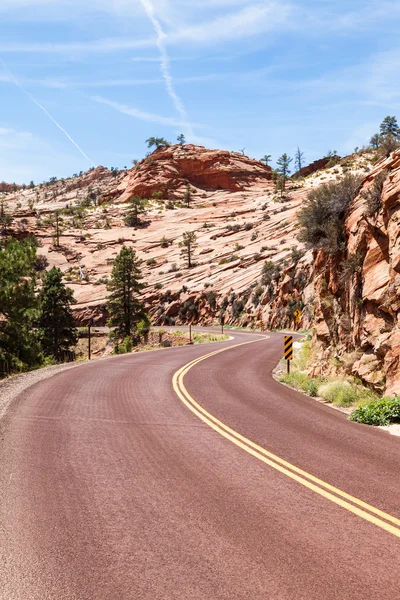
<point x="168" y="170"/>
<point x="357" y="299"/>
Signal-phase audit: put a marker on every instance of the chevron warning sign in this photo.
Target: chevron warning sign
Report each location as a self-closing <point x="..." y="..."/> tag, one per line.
<point x="288" y="349"/>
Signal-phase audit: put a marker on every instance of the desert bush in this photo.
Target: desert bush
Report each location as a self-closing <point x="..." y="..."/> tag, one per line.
<point x="270" y="272"/>
<point x="301" y="381"/>
<point x="351" y="265"/>
<point x="338" y="392"/>
<point x="237" y="308"/>
<point x="164" y="242"/>
<point x="373" y="195"/>
<point x="344" y="393"/>
<point x="212" y="299"/>
<point x="323" y="214"/>
<point x="378" y="412"/>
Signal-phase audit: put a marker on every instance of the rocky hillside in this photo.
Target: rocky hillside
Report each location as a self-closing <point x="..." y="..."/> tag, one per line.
<point x="248" y="262"/>
<point x="357" y="300"/>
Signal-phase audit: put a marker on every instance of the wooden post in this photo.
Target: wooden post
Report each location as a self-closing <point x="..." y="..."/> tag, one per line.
<point x="89" y="339"/>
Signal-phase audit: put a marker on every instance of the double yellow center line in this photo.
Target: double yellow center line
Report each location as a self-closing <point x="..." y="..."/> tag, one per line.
<point x="329" y="492"/>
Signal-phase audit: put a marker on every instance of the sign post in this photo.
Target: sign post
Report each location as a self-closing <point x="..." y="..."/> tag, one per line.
<point x="288" y="350"/>
<point x="89" y="338"/>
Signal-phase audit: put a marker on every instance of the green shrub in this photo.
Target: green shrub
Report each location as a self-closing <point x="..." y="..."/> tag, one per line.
<point x="301" y="381"/>
<point x="344" y="393"/>
<point x="323" y="214"/>
<point x="378" y="412"/>
<point x="373" y="195"/>
<point x="338" y="392"/>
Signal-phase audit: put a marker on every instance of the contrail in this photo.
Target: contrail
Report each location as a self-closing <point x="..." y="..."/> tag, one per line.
<point x="19" y="86"/>
<point x="165" y="68"/>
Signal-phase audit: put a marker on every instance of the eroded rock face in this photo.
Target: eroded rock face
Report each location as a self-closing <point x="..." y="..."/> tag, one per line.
<point x="170" y="169"/>
<point x="368" y="301"/>
<point x="315" y="166"/>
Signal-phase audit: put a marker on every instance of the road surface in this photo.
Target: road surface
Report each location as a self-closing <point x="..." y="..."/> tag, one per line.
<point x="137" y="478"/>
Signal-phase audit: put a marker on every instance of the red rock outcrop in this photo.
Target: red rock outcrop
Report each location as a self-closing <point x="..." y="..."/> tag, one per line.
<point x="357" y="318"/>
<point x="169" y="169"/>
<point x="8" y="187"/>
<point x="315" y="166"/>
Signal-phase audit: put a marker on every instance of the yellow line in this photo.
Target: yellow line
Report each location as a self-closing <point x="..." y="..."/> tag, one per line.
<point x="378" y="517"/>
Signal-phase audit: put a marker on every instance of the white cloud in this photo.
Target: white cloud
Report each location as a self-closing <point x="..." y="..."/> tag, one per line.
<point x="246" y="22"/>
<point x="249" y="21"/>
<point x="165" y="67"/>
<point x="139" y="114"/>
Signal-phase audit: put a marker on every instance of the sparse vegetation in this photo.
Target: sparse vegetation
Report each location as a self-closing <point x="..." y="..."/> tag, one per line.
<point x="373" y="195"/>
<point x="137" y="206"/>
<point x="188" y="246"/>
<point x="323" y="214"/>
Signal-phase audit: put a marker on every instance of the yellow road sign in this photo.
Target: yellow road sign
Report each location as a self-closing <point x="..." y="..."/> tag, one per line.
<point x="288" y="347"/>
<point x="298" y="314"/>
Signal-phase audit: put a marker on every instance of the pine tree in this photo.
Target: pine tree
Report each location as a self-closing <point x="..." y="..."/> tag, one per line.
<point x="389" y="126"/>
<point x="5" y="219"/>
<point x="299" y="159"/>
<point x="283" y="163"/>
<point x="188" y="195"/>
<point x="157" y="142"/>
<point x="266" y="159"/>
<point x="181" y="139"/>
<point x="188" y="245"/>
<point x="124" y="307"/>
<point x="19" y="346"/>
<point x="375" y="141"/>
<point x="138" y="206"/>
<point x="56" y="322"/>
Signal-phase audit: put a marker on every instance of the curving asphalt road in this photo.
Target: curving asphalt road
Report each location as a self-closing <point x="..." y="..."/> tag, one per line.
<point x="132" y="478"/>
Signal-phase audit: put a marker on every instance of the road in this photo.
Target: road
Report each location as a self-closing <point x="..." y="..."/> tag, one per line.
<point x="135" y="478"/>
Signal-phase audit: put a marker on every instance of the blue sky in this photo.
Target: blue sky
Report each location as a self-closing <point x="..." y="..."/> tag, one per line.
<point x="263" y="75"/>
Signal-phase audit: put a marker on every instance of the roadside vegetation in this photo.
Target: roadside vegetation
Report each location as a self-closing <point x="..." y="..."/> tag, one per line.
<point x="346" y="393"/>
<point x="36" y="327"/>
<point x="383" y="411"/>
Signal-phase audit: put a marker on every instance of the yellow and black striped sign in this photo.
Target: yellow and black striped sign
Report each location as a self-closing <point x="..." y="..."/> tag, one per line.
<point x="288" y="353"/>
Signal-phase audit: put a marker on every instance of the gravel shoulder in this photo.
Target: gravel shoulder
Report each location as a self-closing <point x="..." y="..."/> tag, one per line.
<point x="11" y="387"/>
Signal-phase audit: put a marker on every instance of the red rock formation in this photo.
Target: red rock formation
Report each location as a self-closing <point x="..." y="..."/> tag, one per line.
<point x="358" y="320"/>
<point x="170" y="169"/>
<point x="315" y="166"/>
<point x="9" y="187"/>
